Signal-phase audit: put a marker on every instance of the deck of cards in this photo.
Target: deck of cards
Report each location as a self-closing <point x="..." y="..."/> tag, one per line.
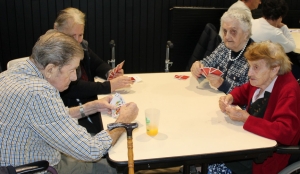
<point x="117" y="101"/>
<point x="211" y="70"/>
<point x="115" y="70"/>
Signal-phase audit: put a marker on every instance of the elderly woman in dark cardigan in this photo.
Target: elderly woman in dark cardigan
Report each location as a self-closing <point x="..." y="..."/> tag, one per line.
<point x="273" y="99"/>
<point x="229" y="55"/>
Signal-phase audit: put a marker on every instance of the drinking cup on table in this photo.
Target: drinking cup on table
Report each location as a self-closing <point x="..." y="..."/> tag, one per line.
<point x="152" y="119"/>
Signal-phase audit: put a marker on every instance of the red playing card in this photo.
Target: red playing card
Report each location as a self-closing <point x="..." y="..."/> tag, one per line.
<point x="181" y="77"/>
<point x="119" y="66"/>
<point x="216" y="72"/>
<point x="205" y="71"/>
<point x="115" y="70"/>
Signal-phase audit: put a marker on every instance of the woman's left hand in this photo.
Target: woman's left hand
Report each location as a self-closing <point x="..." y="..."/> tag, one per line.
<point x="236" y="114"/>
<point x="215" y="80"/>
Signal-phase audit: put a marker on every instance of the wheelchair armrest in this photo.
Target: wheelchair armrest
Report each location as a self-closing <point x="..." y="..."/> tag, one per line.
<point x="288" y="149"/>
<point x="32" y="167"/>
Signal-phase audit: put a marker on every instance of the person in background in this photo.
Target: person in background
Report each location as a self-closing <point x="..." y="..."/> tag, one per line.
<point x="34" y="123"/>
<point x="71" y="21"/>
<point x="270" y="26"/>
<point x="273" y="99"/>
<point x="246" y="5"/>
<point x="229" y="55"/>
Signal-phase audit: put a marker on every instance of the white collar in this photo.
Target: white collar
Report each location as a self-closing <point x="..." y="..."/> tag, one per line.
<point x="268" y="89"/>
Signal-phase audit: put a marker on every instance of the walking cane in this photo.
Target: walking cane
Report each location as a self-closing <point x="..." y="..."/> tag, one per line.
<point x="129" y="127"/>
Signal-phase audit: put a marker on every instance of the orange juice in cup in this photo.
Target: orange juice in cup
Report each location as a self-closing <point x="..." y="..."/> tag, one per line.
<point x="152" y="130"/>
<point x="152" y="117"/>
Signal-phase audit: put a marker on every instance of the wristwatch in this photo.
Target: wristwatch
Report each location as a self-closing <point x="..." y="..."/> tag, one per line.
<point x="81" y="109"/>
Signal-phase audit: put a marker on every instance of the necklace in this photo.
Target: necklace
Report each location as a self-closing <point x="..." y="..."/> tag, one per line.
<point x="233" y="59"/>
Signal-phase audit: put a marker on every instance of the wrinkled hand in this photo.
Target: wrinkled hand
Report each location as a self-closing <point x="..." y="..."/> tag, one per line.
<point x="119" y="73"/>
<point x="103" y="104"/>
<point x="215" y="80"/>
<point x="120" y="82"/>
<point x="236" y="114"/>
<point x="225" y="101"/>
<point x="128" y="113"/>
<point x="196" y="69"/>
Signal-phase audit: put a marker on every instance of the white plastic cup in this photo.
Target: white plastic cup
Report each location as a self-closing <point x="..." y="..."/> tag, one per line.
<point x="152" y="120"/>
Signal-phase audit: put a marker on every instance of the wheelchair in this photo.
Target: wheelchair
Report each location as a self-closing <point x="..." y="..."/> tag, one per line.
<point x="294" y="162"/>
<point x="38" y="166"/>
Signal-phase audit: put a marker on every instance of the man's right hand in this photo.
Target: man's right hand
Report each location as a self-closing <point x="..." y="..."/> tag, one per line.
<point x="128" y="113"/>
<point x="196" y="69"/>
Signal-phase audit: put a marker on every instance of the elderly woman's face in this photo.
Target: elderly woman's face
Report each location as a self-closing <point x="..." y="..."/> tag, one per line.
<point x="260" y="75"/>
<point x="76" y="31"/>
<point x="234" y="37"/>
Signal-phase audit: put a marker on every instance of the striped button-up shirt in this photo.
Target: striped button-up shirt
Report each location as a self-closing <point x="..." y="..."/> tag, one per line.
<point x="35" y="125"/>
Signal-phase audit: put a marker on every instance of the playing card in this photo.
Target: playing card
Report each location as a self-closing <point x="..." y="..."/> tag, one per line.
<point x="136" y="79"/>
<point x="216" y="71"/>
<point x="119" y="66"/>
<point x="115" y="70"/>
<point x="205" y="71"/>
<point x="117" y="101"/>
<point x="181" y="77"/>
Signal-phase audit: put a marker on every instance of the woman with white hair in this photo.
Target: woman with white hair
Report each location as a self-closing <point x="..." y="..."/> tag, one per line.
<point x="229" y="55"/>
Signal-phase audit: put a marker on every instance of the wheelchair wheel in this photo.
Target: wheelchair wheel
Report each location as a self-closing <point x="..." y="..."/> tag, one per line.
<point x="291" y="169"/>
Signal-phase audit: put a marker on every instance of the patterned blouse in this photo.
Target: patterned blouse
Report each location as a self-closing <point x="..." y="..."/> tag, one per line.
<point x="235" y="72"/>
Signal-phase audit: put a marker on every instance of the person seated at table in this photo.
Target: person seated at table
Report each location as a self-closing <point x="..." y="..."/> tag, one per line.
<point x="270" y="26"/>
<point x="34" y="123"/>
<point x="71" y="21"/>
<point x="229" y="55"/>
<point x="245" y="5"/>
<point x="273" y="99"/>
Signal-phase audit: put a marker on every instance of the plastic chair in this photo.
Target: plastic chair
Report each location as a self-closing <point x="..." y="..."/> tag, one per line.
<point x="207" y="43"/>
<point x="34" y="167"/>
<point x="15" y="61"/>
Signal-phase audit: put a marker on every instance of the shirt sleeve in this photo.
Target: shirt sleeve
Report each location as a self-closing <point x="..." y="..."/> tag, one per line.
<point x="86" y="89"/>
<point x="286" y="39"/>
<point x="98" y="66"/>
<point x="50" y="119"/>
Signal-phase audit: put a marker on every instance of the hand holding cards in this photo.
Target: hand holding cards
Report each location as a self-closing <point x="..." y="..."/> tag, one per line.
<point x="117" y="101"/>
<point x="113" y="72"/>
<point x="211" y="70"/>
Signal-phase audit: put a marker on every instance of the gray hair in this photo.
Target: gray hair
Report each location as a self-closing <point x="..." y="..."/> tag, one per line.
<point x="55" y="48"/>
<point x="241" y="16"/>
<point x="63" y="19"/>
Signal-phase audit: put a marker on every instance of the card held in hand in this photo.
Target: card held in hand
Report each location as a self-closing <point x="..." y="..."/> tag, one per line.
<point x="211" y="70"/>
<point x="115" y="70"/>
<point x="117" y="101"/>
